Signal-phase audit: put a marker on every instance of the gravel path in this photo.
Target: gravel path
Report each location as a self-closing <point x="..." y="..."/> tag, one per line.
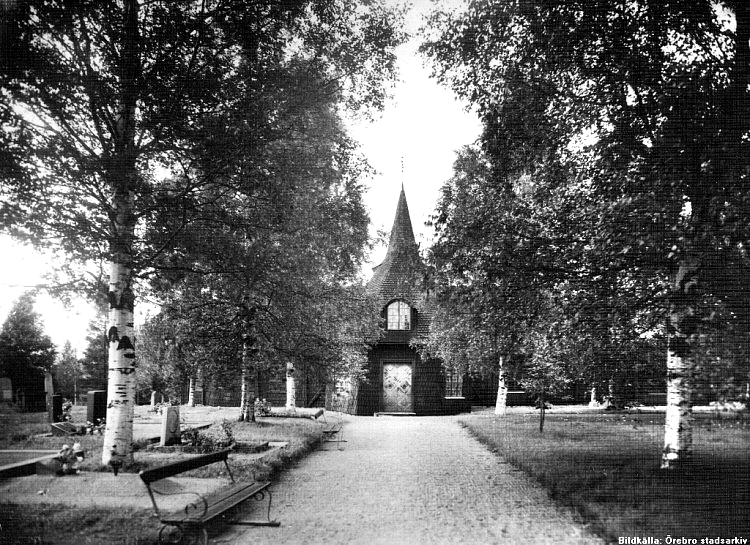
<point x="401" y="480"/>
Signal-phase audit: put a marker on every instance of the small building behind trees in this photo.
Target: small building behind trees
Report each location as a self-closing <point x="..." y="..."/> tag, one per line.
<point x="398" y="379"/>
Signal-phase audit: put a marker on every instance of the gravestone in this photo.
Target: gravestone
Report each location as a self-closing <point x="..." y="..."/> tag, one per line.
<point x="6" y="389"/>
<point x="170" y="427"/>
<point x="96" y="406"/>
<point x="56" y="412"/>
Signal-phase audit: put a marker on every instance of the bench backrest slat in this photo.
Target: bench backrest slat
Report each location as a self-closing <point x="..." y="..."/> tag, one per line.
<point x="158" y="473"/>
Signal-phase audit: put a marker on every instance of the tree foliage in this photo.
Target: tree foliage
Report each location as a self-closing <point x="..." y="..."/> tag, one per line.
<point x="103" y="97"/>
<point x="94" y="357"/>
<point x="26" y="351"/>
<point x="68" y="372"/>
<point x="642" y="102"/>
<point x="204" y="77"/>
<point x="630" y="118"/>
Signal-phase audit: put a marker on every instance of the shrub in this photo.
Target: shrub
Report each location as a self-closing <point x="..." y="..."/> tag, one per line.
<point x="217" y="437"/>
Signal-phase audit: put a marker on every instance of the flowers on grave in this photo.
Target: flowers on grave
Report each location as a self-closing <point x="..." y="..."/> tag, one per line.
<point x="95" y="428"/>
<point x="67" y="410"/>
<point x="262" y="408"/>
<point x="70" y="459"/>
<point x="159" y="407"/>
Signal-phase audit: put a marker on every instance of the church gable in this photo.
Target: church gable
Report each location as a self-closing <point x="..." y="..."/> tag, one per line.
<point x="400" y="277"/>
<point x="398" y="379"/>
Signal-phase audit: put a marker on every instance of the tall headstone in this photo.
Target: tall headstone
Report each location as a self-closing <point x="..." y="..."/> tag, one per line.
<point x="57" y="413"/>
<point x="170" y="426"/>
<point x="153" y="400"/>
<point x="96" y="405"/>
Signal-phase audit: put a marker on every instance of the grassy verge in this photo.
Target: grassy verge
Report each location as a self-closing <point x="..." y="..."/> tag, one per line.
<point x="606" y="466"/>
<point x="61" y="525"/>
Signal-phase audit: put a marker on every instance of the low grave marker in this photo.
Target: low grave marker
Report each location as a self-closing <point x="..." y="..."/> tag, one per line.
<point x="170" y="427"/>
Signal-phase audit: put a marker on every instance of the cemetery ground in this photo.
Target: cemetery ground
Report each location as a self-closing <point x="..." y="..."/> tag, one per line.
<point x="100" y="515"/>
<point x="603" y="464"/>
<point x="606" y="466"/>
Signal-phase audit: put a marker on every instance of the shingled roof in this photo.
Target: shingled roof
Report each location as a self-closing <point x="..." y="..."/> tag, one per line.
<point x="401" y="273"/>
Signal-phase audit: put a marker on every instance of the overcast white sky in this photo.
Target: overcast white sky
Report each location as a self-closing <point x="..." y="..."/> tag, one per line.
<point x="423" y="126"/>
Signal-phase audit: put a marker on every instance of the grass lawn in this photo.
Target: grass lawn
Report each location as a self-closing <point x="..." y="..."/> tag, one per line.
<point x="63" y="525"/>
<point x="606" y="466"/>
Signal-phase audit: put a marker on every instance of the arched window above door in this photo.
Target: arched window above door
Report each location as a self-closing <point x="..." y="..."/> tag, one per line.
<point x="399" y="316"/>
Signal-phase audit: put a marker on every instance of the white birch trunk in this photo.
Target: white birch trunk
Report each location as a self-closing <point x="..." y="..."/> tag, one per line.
<point x="291" y="387"/>
<point x="502" y="389"/>
<point x="247" y="406"/>
<point x="191" y="393"/>
<point x="244" y="394"/>
<point x="118" y="435"/>
<point x="678" y="429"/>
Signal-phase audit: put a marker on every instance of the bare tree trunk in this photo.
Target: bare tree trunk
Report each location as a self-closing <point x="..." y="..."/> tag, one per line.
<point x="678" y="428"/>
<point x="191" y="392"/>
<point x="118" y="435"/>
<point x="502" y="389"/>
<point x="683" y="326"/>
<point x="542" y="409"/>
<point x="247" y="404"/>
<point x="291" y="387"/>
<point x="247" y="410"/>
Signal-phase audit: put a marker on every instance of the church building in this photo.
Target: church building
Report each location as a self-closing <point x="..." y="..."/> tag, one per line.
<point x="398" y="379"/>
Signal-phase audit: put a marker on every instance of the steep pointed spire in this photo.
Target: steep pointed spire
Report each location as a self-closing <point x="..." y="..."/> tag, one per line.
<point x="395" y="276"/>
<point x="402" y="234"/>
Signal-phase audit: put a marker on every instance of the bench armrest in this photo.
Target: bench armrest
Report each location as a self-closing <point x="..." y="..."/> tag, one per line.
<point x="194" y="509"/>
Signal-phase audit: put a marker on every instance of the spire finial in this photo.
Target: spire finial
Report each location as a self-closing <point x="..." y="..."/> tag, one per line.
<point x="402" y="173"/>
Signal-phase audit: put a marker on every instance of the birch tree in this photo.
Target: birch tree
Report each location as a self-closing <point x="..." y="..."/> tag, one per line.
<point x="650" y="101"/>
<point x="97" y="95"/>
<point x="488" y="276"/>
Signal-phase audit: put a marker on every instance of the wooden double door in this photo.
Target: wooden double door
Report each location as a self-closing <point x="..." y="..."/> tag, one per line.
<point x="397" y="387"/>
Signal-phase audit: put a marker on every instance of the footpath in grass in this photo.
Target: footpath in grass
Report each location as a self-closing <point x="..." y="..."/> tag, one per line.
<point x="606" y="465"/>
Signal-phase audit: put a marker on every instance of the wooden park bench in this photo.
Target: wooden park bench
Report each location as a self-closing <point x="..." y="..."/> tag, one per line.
<point x="189" y="523"/>
<point x="333" y="432"/>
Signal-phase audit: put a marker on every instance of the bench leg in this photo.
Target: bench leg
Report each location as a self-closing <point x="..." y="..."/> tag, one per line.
<point x="189" y="533"/>
<point x="334" y="436"/>
<point x="260" y="496"/>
